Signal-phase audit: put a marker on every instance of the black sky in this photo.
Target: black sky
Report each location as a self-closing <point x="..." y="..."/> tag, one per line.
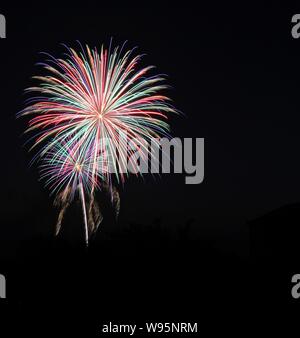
<point x="234" y="74"/>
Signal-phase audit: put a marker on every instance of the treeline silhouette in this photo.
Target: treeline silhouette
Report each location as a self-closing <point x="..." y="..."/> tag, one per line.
<point x="152" y="271"/>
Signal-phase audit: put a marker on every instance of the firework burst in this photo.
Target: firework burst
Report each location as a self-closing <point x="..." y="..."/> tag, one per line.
<point x="86" y="106"/>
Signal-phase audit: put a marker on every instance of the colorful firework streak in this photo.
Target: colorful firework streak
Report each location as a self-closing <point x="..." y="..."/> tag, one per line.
<point x="87" y="110"/>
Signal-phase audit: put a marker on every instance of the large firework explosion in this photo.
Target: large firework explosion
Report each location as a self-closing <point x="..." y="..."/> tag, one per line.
<point x="86" y="110"/>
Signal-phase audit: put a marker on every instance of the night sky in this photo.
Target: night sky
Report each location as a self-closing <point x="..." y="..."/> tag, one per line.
<point x="235" y="78"/>
<point x="234" y="73"/>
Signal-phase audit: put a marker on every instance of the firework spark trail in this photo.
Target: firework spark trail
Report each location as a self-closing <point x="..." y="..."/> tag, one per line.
<point x="62" y="201"/>
<point x="86" y="229"/>
<point x="86" y="106"/>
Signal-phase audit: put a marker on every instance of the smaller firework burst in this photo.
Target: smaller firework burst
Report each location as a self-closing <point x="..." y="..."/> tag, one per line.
<point x="67" y="168"/>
